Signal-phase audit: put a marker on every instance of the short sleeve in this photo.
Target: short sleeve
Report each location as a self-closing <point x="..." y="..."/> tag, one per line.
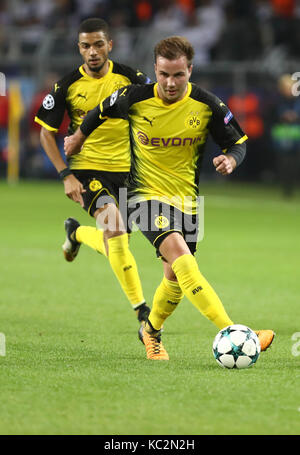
<point x="51" y="112"/>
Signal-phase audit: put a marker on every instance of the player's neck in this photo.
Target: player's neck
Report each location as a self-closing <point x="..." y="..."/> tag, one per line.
<point x="99" y="74"/>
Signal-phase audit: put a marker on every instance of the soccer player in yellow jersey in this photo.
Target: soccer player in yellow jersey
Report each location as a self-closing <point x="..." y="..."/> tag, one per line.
<point x="93" y="177"/>
<point x="169" y="125"/>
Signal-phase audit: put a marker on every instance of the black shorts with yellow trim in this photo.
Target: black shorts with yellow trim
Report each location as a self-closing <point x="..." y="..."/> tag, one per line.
<point x="156" y="220"/>
<point x="101" y="187"/>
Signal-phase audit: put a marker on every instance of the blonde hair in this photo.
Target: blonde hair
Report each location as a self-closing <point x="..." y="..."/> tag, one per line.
<point x="174" y="47"/>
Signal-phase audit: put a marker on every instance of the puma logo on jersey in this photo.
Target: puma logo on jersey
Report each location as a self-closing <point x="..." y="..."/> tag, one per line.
<point x="56" y="87"/>
<point x="124" y="91"/>
<point x="82" y="96"/>
<point x="149" y="121"/>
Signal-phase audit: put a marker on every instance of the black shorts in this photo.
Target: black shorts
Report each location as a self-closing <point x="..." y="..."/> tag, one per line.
<point x="101" y="187"/>
<point x="156" y="220"/>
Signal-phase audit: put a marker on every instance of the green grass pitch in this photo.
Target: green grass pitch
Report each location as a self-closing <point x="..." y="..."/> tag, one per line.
<point x="73" y="362"/>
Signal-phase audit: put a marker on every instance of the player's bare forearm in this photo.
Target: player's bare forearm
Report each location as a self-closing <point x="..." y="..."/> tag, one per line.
<point x="73" y="187"/>
<point x="48" y="142"/>
<point x="224" y="164"/>
<point x="73" y="144"/>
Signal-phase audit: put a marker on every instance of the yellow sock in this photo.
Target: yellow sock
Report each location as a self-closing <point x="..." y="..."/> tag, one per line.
<point x="91" y="237"/>
<point x="166" y="298"/>
<point x="199" y="291"/>
<point x="124" y="266"/>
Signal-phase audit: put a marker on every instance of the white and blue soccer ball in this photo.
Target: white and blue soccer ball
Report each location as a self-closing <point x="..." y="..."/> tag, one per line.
<point x="236" y="346"/>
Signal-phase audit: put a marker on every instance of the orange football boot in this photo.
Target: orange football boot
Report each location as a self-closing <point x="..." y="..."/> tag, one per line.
<point x="265" y="338"/>
<point x="154" y="347"/>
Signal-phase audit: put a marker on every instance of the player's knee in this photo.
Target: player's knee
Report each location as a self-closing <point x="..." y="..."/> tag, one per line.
<point x="173" y="246"/>
<point x="114" y="234"/>
<point x="168" y="272"/>
<point x="110" y="220"/>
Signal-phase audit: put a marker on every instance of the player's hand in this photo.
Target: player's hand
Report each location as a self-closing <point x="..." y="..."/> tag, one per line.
<point x="72" y="145"/>
<point x="74" y="189"/>
<point x="225" y="165"/>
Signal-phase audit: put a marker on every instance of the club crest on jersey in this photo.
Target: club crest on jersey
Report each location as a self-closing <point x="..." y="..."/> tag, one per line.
<point x="161" y="222"/>
<point x="95" y="185"/>
<point x="193" y="121"/>
<point x="48" y="102"/>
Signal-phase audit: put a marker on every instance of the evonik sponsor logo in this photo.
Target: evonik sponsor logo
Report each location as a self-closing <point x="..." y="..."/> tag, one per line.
<point x="166" y="141"/>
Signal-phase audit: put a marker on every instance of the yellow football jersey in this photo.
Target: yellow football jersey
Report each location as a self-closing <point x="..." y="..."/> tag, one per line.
<point x="168" y="140"/>
<point x="107" y="148"/>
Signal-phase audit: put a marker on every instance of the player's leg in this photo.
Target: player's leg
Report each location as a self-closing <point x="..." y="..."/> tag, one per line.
<point x="120" y="257"/>
<point x="76" y="235"/>
<point x="70" y="246"/>
<point x="101" y="199"/>
<point x="91" y="237"/>
<point x="153" y="219"/>
<point x="166" y="299"/>
<point x="190" y="282"/>
<point x="195" y="287"/>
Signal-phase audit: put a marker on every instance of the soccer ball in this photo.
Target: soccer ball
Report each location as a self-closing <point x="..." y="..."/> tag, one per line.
<point x="236" y="346"/>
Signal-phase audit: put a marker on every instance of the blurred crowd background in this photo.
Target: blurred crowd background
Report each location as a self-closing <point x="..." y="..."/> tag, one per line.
<point x="246" y="53"/>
